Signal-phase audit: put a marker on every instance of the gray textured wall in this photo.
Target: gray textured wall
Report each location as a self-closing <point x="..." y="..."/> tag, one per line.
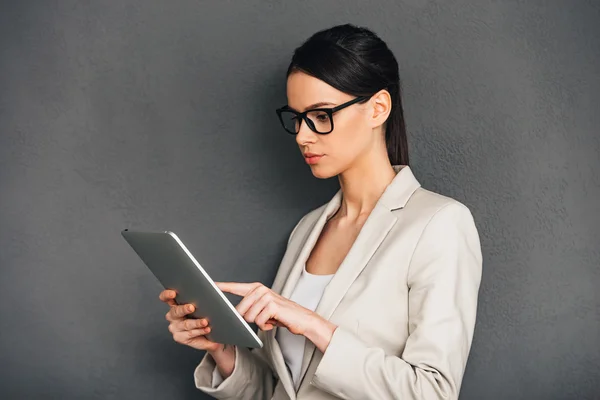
<point x="160" y="115"/>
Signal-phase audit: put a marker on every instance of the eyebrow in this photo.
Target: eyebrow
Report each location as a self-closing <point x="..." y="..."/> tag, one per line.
<point x="317" y="105"/>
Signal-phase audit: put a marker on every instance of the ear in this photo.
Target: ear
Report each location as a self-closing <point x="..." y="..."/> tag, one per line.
<point x="382" y="106"/>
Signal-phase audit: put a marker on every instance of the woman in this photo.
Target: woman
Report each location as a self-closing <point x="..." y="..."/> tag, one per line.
<point x="376" y="295"/>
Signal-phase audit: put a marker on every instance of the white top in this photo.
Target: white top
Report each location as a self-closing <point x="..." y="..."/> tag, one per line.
<point x="307" y="293"/>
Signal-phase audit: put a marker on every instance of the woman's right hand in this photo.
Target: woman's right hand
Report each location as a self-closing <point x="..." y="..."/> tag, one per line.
<point x="188" y="331"/>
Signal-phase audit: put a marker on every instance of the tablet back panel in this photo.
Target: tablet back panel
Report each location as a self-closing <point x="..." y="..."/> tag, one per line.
<point x="176" y="268"/>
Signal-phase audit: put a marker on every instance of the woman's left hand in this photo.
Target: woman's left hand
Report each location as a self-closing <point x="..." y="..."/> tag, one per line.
<point x="266" y="308"/>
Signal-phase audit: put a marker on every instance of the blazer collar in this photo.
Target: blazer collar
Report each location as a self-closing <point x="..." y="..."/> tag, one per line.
<point x="400" y="189"/>
<point x="377" y="225"/>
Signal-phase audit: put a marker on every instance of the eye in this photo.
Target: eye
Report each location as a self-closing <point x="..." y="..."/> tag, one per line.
<point x="322" y="117"/>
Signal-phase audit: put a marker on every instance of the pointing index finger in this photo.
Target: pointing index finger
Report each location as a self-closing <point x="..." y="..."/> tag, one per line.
<point x="241" y="289"/>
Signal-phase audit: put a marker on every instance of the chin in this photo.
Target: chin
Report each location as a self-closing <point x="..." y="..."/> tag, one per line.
<point x="321" y="172"/>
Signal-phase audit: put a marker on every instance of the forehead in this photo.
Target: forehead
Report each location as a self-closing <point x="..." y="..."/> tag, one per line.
<point x="304" y="90"/>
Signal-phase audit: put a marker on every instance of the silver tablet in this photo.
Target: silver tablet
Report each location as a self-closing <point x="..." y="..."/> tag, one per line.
<point x="176" y="268"/>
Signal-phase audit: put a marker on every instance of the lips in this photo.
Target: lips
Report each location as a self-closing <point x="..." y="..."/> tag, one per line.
<point x="312" y="158"/>
<point x="308" y="155"/>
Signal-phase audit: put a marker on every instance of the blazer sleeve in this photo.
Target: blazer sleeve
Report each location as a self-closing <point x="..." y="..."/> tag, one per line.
<point x="443" y="278"/>
<point x="252" y="377"/>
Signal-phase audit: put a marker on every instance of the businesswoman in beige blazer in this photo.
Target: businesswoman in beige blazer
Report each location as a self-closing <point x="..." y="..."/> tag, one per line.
<point x="376" y="294"/>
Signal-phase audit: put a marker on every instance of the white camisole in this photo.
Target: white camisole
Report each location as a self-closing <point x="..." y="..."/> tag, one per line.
<point x="307" y="293"/>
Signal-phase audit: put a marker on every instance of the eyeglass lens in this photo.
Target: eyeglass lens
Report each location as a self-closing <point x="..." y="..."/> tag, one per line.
<point x="319" y="120"/>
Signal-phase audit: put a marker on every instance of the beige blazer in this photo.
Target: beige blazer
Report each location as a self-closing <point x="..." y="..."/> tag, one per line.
<point x="404" y="300"/>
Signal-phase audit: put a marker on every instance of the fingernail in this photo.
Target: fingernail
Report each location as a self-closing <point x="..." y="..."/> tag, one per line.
<point x="189" y="308"/>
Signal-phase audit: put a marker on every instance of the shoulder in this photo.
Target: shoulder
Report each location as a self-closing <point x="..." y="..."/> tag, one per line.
<point x="435" y="222"/>
<point x="425" y="205"/>
<point x="446" y="242"/>
<point x="442" y="226"/>
<point x="429" y="202"/>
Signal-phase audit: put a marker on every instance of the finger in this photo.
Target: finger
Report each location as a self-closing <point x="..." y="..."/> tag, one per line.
<point x="187" y="324"/>
<point x="241" y="289"/>
<point x="178" y="312"/>
<point x="187" y="336"/>
<point x="272" y="323"/>
<point x="251" y="298"/>
<point x="257" y="306"/>
<point x="266" y="314"/>
<point x="168" y="296"/>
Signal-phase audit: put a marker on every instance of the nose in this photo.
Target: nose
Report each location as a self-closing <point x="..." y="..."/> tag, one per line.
<point x="305" y="134"/>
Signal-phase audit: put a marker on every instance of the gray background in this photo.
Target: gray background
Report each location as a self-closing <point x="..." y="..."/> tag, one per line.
<point x="160" y="115"/>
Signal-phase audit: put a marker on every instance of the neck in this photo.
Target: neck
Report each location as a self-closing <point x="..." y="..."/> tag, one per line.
<point x="363" y="184"/>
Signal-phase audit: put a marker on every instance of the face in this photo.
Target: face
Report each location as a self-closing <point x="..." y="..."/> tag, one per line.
<point x="358" y="128"/>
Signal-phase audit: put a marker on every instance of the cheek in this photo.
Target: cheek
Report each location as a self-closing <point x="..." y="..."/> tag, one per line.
<point x="342" y="146"/>
<point x="349" y="139"/>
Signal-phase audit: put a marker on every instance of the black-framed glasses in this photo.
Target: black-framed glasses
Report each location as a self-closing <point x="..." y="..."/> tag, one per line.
<point x="319" y="120"/>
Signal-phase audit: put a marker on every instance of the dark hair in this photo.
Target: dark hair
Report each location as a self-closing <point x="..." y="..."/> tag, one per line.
<point x="354" y="60"/>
